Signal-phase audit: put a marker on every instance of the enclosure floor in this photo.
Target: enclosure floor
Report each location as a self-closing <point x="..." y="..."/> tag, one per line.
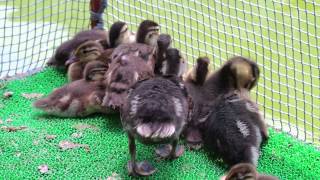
<point x="22" y="152"/>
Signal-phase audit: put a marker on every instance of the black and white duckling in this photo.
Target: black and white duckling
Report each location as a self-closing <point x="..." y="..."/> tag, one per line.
<point x="155" y="112"/>
<point x="235" y="128"/>
<point x="172" y="66"/>
<point x="122" y="74"/>
<point x="64" y="51"/>
<point x="245" y="171"/>
<point x="78" y="98"/>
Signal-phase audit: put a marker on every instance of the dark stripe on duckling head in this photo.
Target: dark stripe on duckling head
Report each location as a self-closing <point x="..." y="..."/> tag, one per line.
<point x="145" y="27"/>
<point x="116" y="29"/>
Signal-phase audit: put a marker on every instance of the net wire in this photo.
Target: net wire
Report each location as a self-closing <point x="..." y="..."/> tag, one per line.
<point x="281" y="36"/>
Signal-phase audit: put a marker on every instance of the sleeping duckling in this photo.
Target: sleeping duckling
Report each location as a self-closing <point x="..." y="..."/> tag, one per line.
<point x="155" y="112"/>
<point x="245" y="171"/>
<point x="235" y="128"/>
<point x="123" y="73"/>
<point x="63" y="52"/>
<point x="79" y="98"/>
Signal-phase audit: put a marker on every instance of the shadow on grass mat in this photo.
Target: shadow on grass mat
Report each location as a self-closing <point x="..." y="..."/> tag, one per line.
<point x="35" y="146"/>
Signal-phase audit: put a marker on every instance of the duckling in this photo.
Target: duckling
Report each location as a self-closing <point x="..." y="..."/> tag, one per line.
<point x="174" y="63"/>
<point x="146" y="39"/>
<point x="86" y="52"/>
<point x="245" y="171"/>
<point x="63" y="52"/>
<point x="119" y="34"/>
<point x="155" y="112"/>
<point x="194" y="80"/>
<point x="148" y="33"/>
<point x="235" y="128"/>
<point x="163" y="43"/>
<point x="78" y="98"/>
<point x="237" y="73"/>
<point x="122" y="74"/>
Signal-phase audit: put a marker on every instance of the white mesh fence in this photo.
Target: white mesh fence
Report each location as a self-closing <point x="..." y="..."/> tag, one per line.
<point x="281" y="36"/>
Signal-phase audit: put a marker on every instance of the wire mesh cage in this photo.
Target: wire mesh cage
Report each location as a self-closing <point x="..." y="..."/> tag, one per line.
<point x="281" y="36"/>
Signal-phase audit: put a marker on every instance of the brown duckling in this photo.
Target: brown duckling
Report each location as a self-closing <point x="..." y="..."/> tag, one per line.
<point x="155" y="112"/>
<point x="245" y="171"/>
<point x="119" y="34"/>
<point x="123" y="73"/>
<point x="237" y="73"/>
<point x="235" y="128"/>
<point x="64" y="51"/>
<point x="86" y="52"/>
<point x="148" y="33"/>
<point x="78" y="98"/>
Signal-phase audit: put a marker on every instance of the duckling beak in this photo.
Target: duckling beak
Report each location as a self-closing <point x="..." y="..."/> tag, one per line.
<point x="71" y="60"/>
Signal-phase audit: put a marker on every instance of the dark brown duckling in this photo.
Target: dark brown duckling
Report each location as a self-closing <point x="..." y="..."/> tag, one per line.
<point x="148" y="33"/>
<point x="123" y="73"/>
<point x="235" y="128"/>
<point x="119" y="34"/>
<point x="155" y="113"/>
<point x="245" y="171"/>
<point x="174" y="63"/>
<point x="78" y="98"/>
<point x="163" y="43"/>
<point x="194" y="81"/>
<point x="64" y="51"/>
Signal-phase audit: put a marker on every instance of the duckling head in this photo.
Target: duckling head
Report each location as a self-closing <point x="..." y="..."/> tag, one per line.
<point x="95" y="71"/>
<point x="175" y="64"/>
<point x="241" y="171"/>
<point x="119" y="34"/>
<point x="148" y="33"/>
<point x="87" y="51"/>
<point x="244" y="72"/>
<point x="164" y="41"/>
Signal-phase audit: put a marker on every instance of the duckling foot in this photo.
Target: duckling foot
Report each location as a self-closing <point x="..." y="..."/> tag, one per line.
<point x="164" y="151"/>
<point x="143" y="168"/>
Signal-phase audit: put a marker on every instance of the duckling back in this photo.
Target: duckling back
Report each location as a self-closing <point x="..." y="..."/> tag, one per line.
<point x="156" y="109"/>
<point x="235" y="129"/>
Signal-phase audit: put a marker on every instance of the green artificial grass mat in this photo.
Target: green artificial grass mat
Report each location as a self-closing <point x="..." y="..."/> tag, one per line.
<point x="22" y="152"/>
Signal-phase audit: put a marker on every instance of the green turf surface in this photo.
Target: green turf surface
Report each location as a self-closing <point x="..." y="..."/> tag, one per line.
<point x="281" y="36"/>
<point x="23" y="151"/>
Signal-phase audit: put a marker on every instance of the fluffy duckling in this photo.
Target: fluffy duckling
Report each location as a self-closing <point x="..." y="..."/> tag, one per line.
<point x="79" y="98"/>
<point x="245" y="171"/>
<point x="86" y="52"/>
<point x="123" y="73"/>
<point x="235" y="128"/>
<point x="237" y="73"/>
<point x="155" y="112"/>
<point x="63" y="52"/>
